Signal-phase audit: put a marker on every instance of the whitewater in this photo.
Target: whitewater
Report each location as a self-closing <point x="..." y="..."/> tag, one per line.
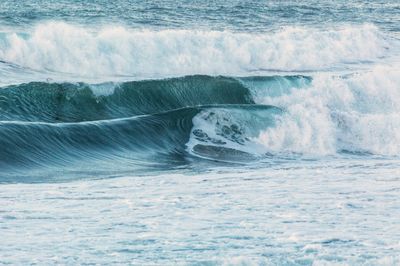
<point x="184" y="133"/>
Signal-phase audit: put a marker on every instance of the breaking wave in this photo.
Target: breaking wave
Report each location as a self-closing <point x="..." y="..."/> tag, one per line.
<point x="169" y="122"/>
<point x="119" y="51"/>
<point x="230" y="97"/>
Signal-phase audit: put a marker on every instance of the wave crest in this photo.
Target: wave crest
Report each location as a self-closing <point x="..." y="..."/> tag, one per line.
<point x="115" y="51"/>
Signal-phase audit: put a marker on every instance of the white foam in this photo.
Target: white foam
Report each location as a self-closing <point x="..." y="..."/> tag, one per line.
<point x="113" y="51"/>
<point x="229" y="128"/>
<point x="358" y="113"/>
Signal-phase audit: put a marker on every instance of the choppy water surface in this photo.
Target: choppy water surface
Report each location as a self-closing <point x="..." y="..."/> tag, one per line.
<point x="227" y="133"/>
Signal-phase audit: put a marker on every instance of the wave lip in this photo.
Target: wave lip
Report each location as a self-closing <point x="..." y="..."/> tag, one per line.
<point x="119" y="51"/>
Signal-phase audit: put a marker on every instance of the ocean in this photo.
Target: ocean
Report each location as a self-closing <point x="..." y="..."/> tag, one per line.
<point x="199" y="132"/>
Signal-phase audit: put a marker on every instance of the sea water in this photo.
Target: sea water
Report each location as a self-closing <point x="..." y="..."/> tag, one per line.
<point x="200" y="132"/>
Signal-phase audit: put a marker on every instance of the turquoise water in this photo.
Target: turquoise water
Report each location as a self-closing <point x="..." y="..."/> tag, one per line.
<point x="200" y="133"/>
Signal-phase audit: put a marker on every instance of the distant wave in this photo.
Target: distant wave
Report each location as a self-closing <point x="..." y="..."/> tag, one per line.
<point x="116" y="51"/>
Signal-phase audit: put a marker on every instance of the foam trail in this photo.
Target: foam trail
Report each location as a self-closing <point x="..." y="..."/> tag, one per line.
<point x="60" y="47"/>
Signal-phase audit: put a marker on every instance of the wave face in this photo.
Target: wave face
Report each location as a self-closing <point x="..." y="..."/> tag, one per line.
<point x="118" y="51"/>
<point x="123" y="126"/>
<point x="170" y="122"/>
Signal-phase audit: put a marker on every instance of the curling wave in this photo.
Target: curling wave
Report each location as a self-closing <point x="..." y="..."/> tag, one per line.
<point x="157" y="140"/>
<point x="78" y="127"/>
<point x="170" y="122"/>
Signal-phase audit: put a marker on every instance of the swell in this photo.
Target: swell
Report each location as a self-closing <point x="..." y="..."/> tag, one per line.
<point x="77" y="102"/>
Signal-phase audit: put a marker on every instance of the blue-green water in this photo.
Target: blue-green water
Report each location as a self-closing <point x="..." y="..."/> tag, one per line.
<point x="200" y="133"/>
<point x="241" y="16"/>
